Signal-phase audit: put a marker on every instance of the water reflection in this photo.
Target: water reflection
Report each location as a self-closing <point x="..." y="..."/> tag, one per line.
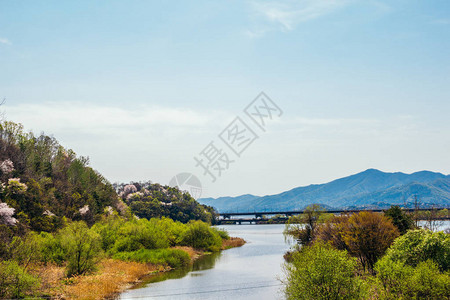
<point x="203" y="263"/>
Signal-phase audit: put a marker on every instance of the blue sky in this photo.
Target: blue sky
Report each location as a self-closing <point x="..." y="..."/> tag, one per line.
<point x="141" y="87"/>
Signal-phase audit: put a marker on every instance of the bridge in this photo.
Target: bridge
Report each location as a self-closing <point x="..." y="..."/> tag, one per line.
<point x="260" y="217"/>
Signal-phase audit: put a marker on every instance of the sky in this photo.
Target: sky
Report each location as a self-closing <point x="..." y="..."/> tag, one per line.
<point x="143" y="87"/>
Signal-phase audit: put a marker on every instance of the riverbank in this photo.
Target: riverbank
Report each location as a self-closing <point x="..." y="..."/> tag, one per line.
<point x="111" y="277"/>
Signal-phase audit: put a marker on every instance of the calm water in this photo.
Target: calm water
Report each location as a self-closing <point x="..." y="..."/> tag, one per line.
<point x="247" y="272"/>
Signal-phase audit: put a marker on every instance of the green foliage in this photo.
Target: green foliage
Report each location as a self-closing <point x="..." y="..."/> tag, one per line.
<point x="174" y="258"/>
<point x="321" y="272"/>
<point x="108" y="228"/>
<point x="27" y="249"/>
<point x="223" y="234"/>
<point x="148" y="200"/>
<point x="397" y="280"/>
<point x="82" y="247"/>
<point x="201" y="236"/>
<point x="140" y="234"/>
<point x="421" y="245"/>
<point x="15" y="282"/>
<point x="51" y="249"/>
<point x="400" y="219"/>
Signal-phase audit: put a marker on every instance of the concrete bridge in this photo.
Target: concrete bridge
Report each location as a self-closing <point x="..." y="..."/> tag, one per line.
<point x="259" y="217"/>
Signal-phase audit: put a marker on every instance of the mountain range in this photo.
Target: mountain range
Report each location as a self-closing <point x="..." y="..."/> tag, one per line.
<point x="369" y="189"/>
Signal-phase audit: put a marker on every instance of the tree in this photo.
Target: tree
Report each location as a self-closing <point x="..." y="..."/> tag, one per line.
<point x="400" y="219"/>
<point x="332" y="232"/>
<point x="82" y="247"/>
<point x="303" y="228"/>
<point x="321" y="272"/>
<point x="368" y="235"/>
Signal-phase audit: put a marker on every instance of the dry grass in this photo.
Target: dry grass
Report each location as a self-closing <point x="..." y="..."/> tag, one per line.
<point x="112" y="277"/>
<point x="232" y="242"/>
<point x="50" y="276"/>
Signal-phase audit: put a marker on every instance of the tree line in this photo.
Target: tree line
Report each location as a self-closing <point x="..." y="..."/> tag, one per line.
<point x="365" y="255"/>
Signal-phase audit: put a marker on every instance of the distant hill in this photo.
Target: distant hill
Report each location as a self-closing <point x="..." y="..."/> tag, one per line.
<point x="369" y="189"/>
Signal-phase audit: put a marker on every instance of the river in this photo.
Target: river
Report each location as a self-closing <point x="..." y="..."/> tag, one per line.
<point x="248" y="272"/>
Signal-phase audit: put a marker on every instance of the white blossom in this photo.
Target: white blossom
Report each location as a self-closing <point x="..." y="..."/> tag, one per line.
<point x="6" y="214"/>
<point x="49" y="213"/>
<point x="84" y="210"/>
<point x="7" y="166"/>
<point x="109" y="210"/>
<point x="129" y="188"/>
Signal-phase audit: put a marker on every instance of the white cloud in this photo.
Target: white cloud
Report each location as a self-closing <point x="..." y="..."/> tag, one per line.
<point x="5" y="41"/>
<point x="97" y="118"/>
<point x="287" y="14"/>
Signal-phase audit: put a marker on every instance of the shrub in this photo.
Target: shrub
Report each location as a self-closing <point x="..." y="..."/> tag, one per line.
<point x="174" y="258"/>
<point x="400" y="281"/>
<point x="15" y="282"/>
<point x="200" y="236"/>
<point x="82" y="247"/>
<point x="51" y="249"/>
<point x="223" y="234"/>
<point x="420" y="245"/>
<point x="321" y="272"/>
<point x="140" y="234"/>
<point x="108" y="228"/>
<point x="26" y="249"/>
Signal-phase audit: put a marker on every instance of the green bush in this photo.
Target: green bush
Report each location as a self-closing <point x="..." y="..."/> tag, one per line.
<point x="51" y="249"/>
<point x="140" y="234"/>
<point x="27" y="249"/>
<point x="421" y="245"/>
<point x="200" y="235"/>
<point x="171" y="257"/>
<point x="108" y="229"/>
<point x="15" y="282"/>
<point x="82" y="247"/>
<point x="400" y="281"/>
<point x="321" y="272"/>
<point x="223" y="234"/>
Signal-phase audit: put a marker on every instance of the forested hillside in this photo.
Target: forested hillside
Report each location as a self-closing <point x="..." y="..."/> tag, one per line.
<point x="150" y="200"/>
<point x="44" y="182"/>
